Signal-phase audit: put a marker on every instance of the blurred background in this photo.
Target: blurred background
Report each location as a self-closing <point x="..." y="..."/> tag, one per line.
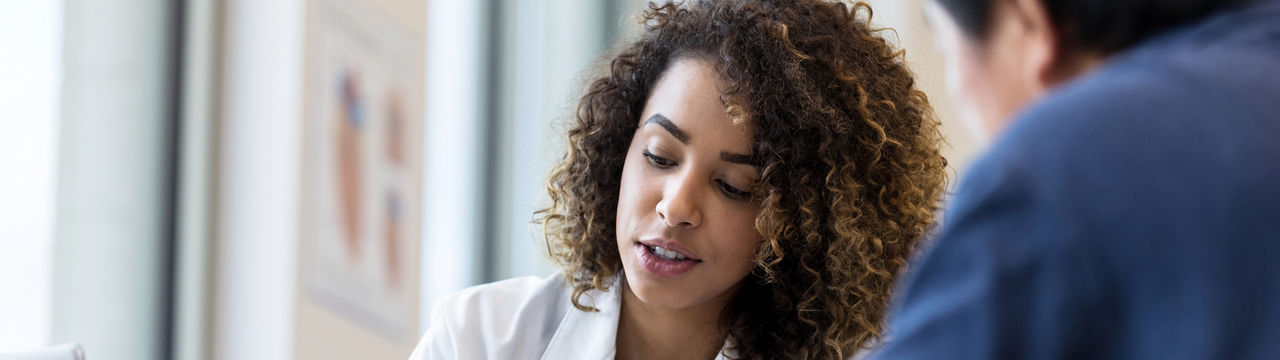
<point x="244" y="179"/>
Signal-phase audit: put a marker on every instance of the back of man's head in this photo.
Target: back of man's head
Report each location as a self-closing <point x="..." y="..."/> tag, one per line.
<point x="1103" y="26"/>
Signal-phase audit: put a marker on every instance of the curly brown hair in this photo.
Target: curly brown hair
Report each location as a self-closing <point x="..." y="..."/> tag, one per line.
<point x="848" y="149"/>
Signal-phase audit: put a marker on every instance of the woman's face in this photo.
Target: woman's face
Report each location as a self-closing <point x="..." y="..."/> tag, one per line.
<point x="686" y="231"/>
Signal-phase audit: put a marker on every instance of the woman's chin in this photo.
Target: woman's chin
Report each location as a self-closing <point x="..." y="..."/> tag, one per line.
<point x="659" y="292"/>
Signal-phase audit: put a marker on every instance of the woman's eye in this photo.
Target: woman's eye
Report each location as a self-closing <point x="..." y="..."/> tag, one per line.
<point x="733" y="192"/>
<point x="658" y="160"/>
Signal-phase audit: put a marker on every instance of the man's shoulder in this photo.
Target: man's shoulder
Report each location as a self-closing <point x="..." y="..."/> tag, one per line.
<point x="1198" y="81"/>
<point x="1125" y="115"/>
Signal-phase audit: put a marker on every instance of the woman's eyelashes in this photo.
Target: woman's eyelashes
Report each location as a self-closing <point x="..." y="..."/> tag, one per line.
<point x="658" y="161"/>
<point x="730" y="191"/>
<point x="733" y="192"/>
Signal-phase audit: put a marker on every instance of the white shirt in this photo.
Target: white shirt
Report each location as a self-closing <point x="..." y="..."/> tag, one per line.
<point x="523" y="318"/>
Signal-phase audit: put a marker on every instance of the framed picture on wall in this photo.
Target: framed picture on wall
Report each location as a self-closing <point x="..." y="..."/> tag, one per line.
<point x="362" y="166"/>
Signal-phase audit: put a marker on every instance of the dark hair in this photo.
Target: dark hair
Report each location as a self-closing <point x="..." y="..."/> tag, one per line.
<point x="1097" y="25"/>
<point x="848" y="152"/>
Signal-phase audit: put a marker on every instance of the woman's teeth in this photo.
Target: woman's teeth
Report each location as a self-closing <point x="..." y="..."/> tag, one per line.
<point x="666" y="254"/>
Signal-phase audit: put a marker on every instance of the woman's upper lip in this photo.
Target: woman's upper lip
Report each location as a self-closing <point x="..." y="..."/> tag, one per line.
<point x="671" y="245"/>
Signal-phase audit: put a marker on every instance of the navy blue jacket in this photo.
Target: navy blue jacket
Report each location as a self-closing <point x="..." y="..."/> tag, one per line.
<point x="1133" y="213"/>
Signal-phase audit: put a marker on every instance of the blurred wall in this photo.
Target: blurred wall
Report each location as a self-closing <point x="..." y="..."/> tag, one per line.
<point x="544" y="50"/>
<point x="113" y="222"/>
<point x="254" y="290"/>
<point x="503" y="91"/>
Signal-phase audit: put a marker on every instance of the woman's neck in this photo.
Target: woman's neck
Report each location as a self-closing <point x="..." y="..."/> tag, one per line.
<point x="650" y="332"/>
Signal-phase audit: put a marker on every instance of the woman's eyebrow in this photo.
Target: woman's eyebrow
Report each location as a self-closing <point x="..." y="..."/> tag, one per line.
<point x="675" y="131"/>
<point x="736" y="158"/>
<point x="671" y="127"/>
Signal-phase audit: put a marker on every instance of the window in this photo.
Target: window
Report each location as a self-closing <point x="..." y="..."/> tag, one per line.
<point x="31" y="32"/>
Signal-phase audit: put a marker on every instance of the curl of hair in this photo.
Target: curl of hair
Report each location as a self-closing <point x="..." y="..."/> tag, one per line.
<point x="848" y="148"/>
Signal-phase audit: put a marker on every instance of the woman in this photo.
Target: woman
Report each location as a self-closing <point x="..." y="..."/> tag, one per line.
<point x="745" y="181"/>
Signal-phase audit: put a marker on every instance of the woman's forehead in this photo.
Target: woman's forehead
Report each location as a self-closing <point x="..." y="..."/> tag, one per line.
<point x="689" y="96"/>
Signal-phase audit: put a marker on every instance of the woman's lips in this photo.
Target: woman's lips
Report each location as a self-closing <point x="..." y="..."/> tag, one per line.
<point x="662" y="267"/>
<point x="670" y="246"/>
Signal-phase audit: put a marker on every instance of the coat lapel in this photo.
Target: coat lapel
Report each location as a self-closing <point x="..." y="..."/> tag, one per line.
<point x="584" y="335"/>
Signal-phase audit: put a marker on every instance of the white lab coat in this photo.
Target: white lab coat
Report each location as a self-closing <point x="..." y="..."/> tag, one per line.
<point x="523" y="318"/>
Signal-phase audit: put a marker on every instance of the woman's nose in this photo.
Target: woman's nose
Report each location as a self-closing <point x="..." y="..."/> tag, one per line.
<point x="679" y="205"/>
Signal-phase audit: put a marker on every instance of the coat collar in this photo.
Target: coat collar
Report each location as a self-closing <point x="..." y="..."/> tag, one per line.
<point x="593" y="335"/>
